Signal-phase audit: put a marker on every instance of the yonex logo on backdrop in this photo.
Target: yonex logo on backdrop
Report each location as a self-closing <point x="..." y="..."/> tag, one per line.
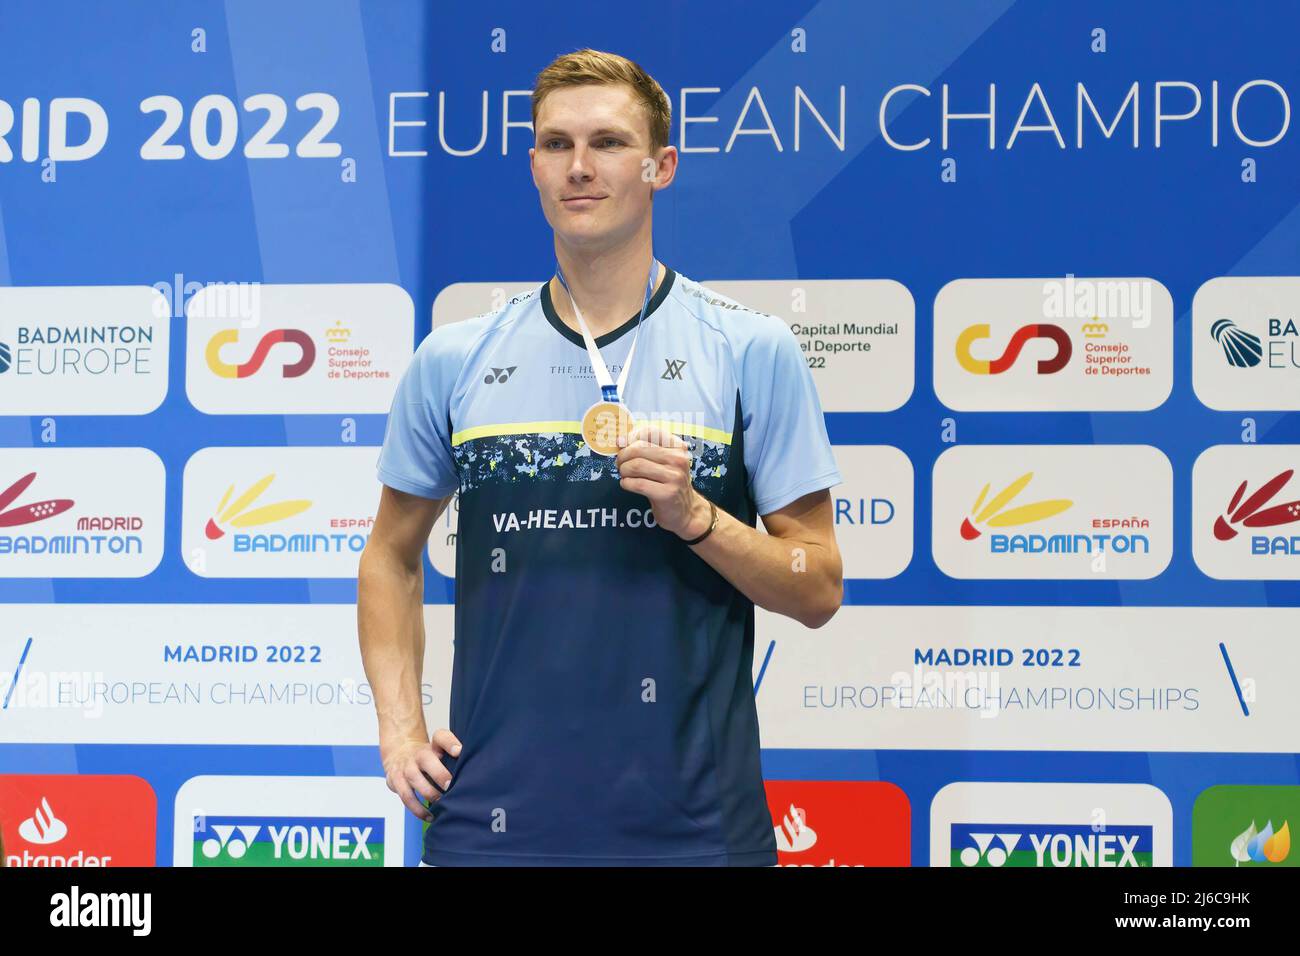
<point x="1050" y="845"/>
<point x="306" y="347"/>
<point x="288" y="841"/>
<point x="996" y="366"/>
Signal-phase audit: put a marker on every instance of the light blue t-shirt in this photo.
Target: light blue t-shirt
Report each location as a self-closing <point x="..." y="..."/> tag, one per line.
<point x="601" y="682"/>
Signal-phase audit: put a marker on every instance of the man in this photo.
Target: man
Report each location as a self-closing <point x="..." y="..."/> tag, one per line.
<point x="602" y="703"/>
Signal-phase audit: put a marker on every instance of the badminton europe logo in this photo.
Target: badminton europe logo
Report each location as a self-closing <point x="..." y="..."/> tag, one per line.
<point x="237" y="513"/>
<point x="306" y="348"/>
<point x="1249" y="511"/>
<point x="1280" y="349"/>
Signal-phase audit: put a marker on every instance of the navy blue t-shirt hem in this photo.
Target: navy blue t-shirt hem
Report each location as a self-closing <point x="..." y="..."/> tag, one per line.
<point x="453" y="858"/>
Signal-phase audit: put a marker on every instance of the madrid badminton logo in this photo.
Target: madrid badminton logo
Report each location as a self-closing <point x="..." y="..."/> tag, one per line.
<point x="306" y="356"/>
<point x="1256" y="510"/>
<point x="28" y="513"/>
<point x="1262" y="846"/>
<point x="236" y="512"/>
<point x="1022" y="336"/>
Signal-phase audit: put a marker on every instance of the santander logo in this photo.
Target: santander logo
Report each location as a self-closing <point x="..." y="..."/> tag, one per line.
<point x="43" y="827"/>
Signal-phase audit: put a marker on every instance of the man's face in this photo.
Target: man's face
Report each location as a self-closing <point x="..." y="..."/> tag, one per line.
<point x="588" y="164"/>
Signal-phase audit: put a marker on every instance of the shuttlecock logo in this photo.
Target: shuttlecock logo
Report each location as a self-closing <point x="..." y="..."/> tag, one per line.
<point x="1259" y="846"/>
<point x="29" y="513"/>
<point x="1241" y="348"/>
<point x="43" y="826"/>
<point x="1248" y="513"/>
<point x="794" y="834"/>
<point x="995" y="514"/>
<point x="234" y="514"/>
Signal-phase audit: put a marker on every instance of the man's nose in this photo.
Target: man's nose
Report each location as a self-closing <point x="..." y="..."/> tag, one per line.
<point x="580" y="166"/>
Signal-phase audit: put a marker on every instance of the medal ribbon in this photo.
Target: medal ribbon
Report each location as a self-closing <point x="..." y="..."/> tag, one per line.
<point x="610" y="391"/>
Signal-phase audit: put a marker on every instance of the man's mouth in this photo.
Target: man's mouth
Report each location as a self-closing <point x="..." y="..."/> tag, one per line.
<point x="581" y="198"/>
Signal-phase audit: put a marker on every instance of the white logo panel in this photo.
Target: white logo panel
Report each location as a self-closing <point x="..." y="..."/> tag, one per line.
<point x="858" y="335"/>
<point x="297" y="349"/>
<point x="1052" y="511"/>
<point x="1246" y="512"/>
<point x="1053" y="344"/>
<point x="1246" y="343"/>
<point x="874" y="513"/>
<point x="83" y="350"/>
<point x="278" y="512"/>
<point x="80" y="512"/>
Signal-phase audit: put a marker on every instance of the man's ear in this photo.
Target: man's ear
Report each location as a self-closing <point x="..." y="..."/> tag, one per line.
<point x="666" y="170"/>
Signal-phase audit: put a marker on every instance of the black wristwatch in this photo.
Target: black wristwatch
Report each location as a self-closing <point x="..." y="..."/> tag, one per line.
<point x="713" y="523"/>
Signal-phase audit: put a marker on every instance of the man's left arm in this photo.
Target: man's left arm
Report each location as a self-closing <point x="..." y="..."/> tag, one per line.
<point x="794" y="569"/>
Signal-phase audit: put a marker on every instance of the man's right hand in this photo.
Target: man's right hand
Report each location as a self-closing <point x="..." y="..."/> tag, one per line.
<point x="410" y="766"/>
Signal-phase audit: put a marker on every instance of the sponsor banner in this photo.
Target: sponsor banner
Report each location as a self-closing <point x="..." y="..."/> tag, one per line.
<point x="229" y="674"/>
<point x="1237" y="825"/>
<point x="1246" y="512"/>
<point x="1068" y="344"/>
<point x="83" y="350"/>
<point x="1052" y="511"/>
<point x="1246" y="343"/>
<point x="297" y="349"/>
<point x="1031" y="678"/>
<point x="80" y="512"/>
<point x="78" y="820"/>
<point x="874" y="514"/>
<point x="287" y="821"/>
<point x="858" y="335"/>
<point x="1051" y="825"/>
<point x="840" y="823"/>
<point x="465" y="300"/>
<point x="278" y="512"/>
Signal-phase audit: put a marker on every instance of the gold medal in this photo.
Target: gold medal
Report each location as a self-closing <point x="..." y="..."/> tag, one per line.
<point x="602" y="425"/>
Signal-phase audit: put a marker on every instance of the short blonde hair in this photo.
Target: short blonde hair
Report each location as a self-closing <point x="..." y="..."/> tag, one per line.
<point x="595" y="66"/>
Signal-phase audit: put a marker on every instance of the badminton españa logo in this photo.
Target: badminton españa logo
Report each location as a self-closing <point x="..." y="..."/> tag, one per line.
<point x="236" y="513"/>
<point x="996" y="514"/>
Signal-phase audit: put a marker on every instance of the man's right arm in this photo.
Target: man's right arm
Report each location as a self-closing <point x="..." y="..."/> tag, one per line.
<point x="390" y="625"/>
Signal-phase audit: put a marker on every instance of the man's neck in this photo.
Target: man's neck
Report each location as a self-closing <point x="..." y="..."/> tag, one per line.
<point x="609" y="285"/>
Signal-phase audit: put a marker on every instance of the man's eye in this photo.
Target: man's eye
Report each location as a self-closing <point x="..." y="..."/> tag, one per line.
<point x="608" y="140"/>
<point x="550" y="142"/>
